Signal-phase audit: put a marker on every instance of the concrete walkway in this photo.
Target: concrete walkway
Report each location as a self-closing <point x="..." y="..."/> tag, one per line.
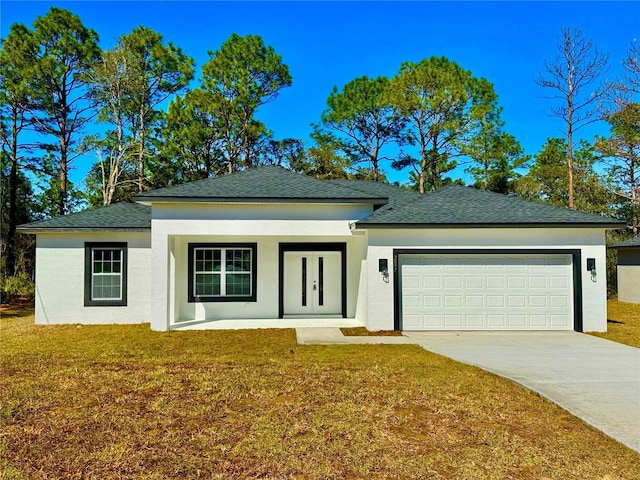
<point x="331" y="336"/>
<point x="595" y="379"/>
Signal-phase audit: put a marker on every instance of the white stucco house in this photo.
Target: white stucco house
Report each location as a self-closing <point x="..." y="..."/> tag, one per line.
<point x="271" y="248"/>
<point x="628" y="269"/>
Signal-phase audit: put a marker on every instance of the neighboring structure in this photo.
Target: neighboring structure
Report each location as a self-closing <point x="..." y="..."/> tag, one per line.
<point x="629" y="270"/>
<point x="271" y="248"/>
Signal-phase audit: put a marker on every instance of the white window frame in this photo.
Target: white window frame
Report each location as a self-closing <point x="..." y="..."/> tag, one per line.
<point x="103" y="274"/>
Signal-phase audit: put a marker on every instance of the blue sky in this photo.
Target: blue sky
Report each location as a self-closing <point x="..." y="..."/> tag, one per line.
<point x="330" y="43"/>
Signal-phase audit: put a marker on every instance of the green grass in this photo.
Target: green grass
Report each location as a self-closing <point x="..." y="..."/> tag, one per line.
<point x="107" y="402"/>
<point x="623" y="323"/>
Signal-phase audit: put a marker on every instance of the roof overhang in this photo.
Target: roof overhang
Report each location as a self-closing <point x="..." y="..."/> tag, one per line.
<point x="607" y="225"/>
<point x="33" y="230"/>
<point x="149" y="199"/>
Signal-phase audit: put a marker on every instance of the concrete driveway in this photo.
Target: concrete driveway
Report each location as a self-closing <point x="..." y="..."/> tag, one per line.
<point x="597" y="380"/>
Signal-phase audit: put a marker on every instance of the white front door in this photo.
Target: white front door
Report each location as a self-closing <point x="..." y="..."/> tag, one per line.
<point x="312" y="283"/>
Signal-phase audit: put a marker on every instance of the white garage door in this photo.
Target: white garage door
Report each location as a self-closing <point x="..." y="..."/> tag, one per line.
<point x="486" y="292"/>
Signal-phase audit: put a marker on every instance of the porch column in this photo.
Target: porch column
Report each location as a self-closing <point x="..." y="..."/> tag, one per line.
<point x="159" y="279"/>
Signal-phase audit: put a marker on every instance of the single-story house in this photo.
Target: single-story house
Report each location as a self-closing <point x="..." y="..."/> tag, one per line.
<point x="629" y="270"/>
<point x="267" y="247"/>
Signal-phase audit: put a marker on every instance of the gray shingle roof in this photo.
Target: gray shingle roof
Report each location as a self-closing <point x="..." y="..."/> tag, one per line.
<point x="117" y="216"/>
<point x="450" y="206"/>
<point x="263" y="184"/>
<point x="628" y="243"/>
<point x="397" y="195"/>
<point x="457" y="205"/>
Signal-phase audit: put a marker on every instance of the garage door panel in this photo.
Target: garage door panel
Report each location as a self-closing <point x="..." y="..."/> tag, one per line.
<point x="452" y="282"/>
<point x="453" y="320"/>
<point x="516" y="282"/>
<point x="412" y="320"/>
<point x="538" y="282"/>
<point x="474" y="301"/>
<point x="517" y="301"/>
<point x="558" y="320"/>
<point x="538" y="320"/>
<point x="558" y="282"/>
<point x="413" y="301"/>
<point x="559" y="301"/>
<point x="495" y="282"/>
<point x="432" y="301"/>
<point x="474" y="282"/>
<point x="477" y="292"/>
<point x="453" y="301"/>
<point x="495" y="320"/>
<point x="475" y="320"/>
<point x="538" y="301"/>
<point x="431" y="282"/>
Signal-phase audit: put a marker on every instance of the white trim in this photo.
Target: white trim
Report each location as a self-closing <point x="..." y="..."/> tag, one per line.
<point x="109" y="274"/>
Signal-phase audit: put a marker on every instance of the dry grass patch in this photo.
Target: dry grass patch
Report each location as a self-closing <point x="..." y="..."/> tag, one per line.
<point x="363" y="332"/>
<point x="623" y="323"/>
<point x="107" y="402"/>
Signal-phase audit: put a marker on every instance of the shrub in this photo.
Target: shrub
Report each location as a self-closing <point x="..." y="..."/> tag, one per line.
<point x="19" y="287"/>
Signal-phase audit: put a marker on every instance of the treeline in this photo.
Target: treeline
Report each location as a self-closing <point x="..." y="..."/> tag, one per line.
<point x="135" y="110"/>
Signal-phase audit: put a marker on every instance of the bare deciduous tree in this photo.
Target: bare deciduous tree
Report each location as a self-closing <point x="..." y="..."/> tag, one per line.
<point x="574" y="75"/>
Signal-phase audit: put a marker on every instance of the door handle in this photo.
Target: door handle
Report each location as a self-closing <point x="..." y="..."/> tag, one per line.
<point x="314" y="285"/>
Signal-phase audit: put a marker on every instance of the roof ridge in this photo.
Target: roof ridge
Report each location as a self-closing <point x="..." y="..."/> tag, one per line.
<point x="209" y="179"/>
<point x="265" y="182"/>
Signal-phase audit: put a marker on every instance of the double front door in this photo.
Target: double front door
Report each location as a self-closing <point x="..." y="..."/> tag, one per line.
<point x="312" y="283"/>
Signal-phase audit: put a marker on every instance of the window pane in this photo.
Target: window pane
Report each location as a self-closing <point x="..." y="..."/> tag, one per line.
<point x="111" y="287"/>
<point x="116" y="254"/>
<point x="96" y="293"/>
<point x="97" y="267"/>
<point x="106" y="287"/>
<point x="238" y="284"/>
<point x="207" y="284"/>
<point x="106" y="267"/>
<point x="116" y="267"/>
<point x="207" y="260"/>
<point x="238" y="260"/>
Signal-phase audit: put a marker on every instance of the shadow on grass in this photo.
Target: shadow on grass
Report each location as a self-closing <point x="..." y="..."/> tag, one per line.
<point x="16" y="310"/>
<point x="614" y="321"/>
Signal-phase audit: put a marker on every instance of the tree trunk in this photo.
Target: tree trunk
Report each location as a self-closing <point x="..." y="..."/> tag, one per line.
<point x="63" y="177"/>
<point x="570" y="88"/>
<point x="374" y="165"/>
<point x="635" y="202"/>
<point x="570" y="163"/>
<point x="141" y="175"/>
<point x="10" y="265"/>
<point x="423" y="166"/>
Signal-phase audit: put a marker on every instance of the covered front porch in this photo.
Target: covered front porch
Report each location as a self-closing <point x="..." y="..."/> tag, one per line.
<point x="264" y="281"/>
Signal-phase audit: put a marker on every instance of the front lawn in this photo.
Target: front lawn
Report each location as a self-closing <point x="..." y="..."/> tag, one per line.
<point x="103" y="402"/>
<point x="623" y="323"/>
